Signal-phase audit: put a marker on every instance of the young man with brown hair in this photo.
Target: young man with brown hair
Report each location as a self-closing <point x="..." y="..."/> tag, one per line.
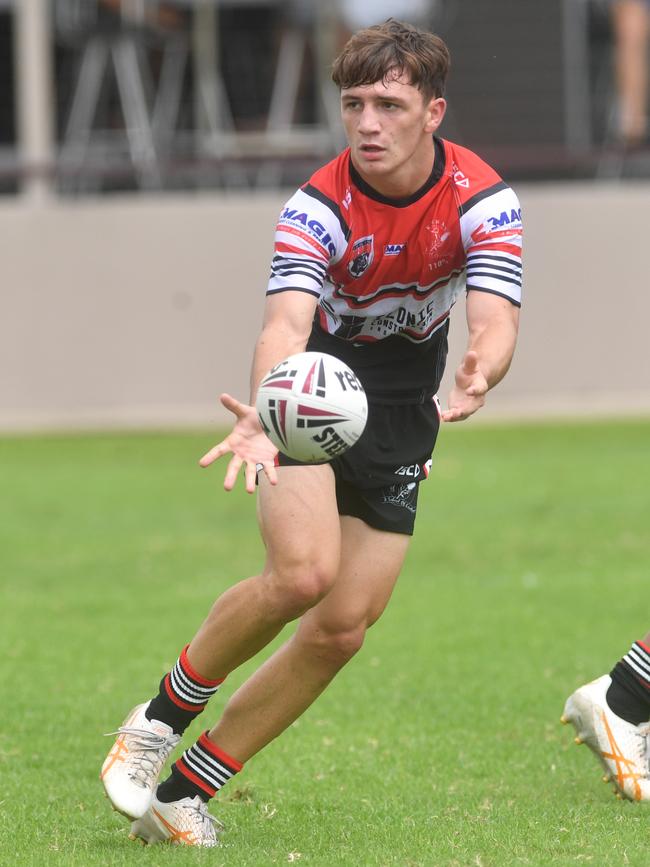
<point x="370" y="255"/>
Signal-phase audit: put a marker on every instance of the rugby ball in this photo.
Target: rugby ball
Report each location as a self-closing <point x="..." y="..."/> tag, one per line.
<point x="312" y="407"/>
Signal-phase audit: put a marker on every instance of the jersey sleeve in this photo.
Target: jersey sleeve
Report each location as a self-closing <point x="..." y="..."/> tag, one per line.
<point x="308" y="238"/>
<point x="492" y="236"/>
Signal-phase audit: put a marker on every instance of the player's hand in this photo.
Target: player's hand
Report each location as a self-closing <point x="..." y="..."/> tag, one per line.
<point x="248" y="444"/>
<point x="468" y="393"/>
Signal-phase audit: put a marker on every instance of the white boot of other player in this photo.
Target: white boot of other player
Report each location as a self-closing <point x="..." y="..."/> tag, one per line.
<point x="622" y="748"/>
<point x="185" y="822"/>
<point x="132" y="767"/>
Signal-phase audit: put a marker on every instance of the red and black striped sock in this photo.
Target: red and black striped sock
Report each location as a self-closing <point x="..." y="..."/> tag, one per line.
<point x="202" y="770"/>
<point x="629" y="692"/>
<point x="183" y="694"/>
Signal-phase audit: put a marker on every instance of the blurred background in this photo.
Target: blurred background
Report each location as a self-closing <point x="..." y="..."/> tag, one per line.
<point x="146" y="149"/>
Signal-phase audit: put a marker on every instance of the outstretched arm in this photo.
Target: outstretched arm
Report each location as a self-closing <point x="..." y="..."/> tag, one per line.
<point x="288" y="318"/>
<point x="493" y="323"/>
<point x="287" y="323"/>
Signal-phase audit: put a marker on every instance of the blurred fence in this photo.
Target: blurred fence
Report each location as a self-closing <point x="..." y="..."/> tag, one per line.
<point x="107" y="95"/>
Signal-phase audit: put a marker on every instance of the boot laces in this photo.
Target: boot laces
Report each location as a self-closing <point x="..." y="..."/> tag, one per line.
<point x="150" y="753"/>
<point x="201" y="820"/>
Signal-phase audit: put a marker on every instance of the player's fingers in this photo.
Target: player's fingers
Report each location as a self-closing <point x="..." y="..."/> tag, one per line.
<point x="455" y="413"/>
<point x="233" y="405"/>
<point x="231" y="473"/>
<point x="216" y="452"/>
<point x="270" y="472"/>
<point x="250" y="474"/>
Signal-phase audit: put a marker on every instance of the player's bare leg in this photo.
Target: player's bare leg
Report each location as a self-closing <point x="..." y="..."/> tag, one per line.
<point x="300" y="528"/>
<point x="328" y="635"/>
<point x="300" y="525"/>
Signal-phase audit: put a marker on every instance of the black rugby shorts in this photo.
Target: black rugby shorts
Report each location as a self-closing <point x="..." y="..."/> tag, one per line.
<point x="377" y="480"/>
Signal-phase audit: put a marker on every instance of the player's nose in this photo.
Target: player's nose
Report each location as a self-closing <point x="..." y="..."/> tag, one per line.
<point x="368" y="120"/>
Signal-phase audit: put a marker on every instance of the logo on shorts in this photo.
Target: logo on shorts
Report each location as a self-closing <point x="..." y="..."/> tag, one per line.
<point x="362" y="255"/>
<point x="401" y="495"/>
<point x="410" y="470"/>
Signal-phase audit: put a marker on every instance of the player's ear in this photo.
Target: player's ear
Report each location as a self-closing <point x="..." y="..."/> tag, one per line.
<point x="435" y="113"/>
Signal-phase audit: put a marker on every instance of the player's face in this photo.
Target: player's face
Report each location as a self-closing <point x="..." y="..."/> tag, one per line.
<point x="389" y="127"/>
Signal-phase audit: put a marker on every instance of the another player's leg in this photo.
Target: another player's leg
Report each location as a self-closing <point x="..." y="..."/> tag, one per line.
<point x="299" y="571"/>
<point x="328" y="635"/>
<point x="611" y="715"/>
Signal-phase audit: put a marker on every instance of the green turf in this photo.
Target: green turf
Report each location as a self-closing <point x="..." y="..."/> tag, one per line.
<point x="439" y="744"/>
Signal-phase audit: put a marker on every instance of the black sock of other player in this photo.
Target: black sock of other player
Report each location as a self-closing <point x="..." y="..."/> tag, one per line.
<point x="629" y="693"/>
<point x="182" y="695"/>
<point x="202" y="770"/>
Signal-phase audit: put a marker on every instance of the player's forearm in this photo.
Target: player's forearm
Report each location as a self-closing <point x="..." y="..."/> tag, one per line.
<point x="495" y="348"/>
<point x="493" y="338"/>
<point x="288" y="318"/>
<point x="275" y="342"/>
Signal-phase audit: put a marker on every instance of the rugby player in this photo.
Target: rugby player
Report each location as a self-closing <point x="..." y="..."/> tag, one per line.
<point x="370" y="255"/>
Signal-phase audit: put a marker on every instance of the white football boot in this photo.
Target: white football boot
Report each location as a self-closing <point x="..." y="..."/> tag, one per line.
<point x="131" y="769"/>
<point x="186" y="822"/>
<point x="622" y="748"/>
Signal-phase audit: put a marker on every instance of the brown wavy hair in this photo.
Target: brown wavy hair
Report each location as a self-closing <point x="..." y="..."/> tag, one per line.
<point x="386" y="51"/>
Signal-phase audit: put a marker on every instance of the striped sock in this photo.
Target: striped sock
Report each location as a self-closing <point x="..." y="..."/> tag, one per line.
<point x="182" y="695"/>
<point x="638" y="659"/>
<point x="202" y="770"/>
<point x="629" y="692"/>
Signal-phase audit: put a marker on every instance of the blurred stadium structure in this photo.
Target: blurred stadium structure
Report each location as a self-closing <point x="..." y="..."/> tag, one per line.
<point x="161" y="101"/>
<point x="213" y="94"/>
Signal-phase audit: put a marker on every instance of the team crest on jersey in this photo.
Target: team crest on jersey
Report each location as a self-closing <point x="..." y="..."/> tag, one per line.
<point x="439" y="234"/>
<point x="362" y="255"/>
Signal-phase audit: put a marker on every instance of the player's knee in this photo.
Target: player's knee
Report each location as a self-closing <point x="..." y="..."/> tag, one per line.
<point x="344" y="645"/>
<point x="300" y="586"/>
<point x="309" y="587"/>
<point x="334" y="646"/>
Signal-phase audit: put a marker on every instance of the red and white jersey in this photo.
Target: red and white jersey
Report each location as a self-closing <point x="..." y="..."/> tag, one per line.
<point x="393" y="268"/>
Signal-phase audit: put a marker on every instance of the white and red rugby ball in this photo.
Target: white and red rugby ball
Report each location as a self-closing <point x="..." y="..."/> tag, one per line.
<point x="312" y="407"/>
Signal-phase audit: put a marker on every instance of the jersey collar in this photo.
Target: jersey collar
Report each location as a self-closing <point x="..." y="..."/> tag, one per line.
<point x="437" y="172"/>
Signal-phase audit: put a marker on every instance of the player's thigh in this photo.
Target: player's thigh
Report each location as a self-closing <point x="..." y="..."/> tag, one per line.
<point x="369" y="566"/>
<point x="299" y="519"/>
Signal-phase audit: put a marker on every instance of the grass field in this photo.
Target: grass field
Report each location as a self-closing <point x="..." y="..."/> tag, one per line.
<point x="438" y="745"/>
